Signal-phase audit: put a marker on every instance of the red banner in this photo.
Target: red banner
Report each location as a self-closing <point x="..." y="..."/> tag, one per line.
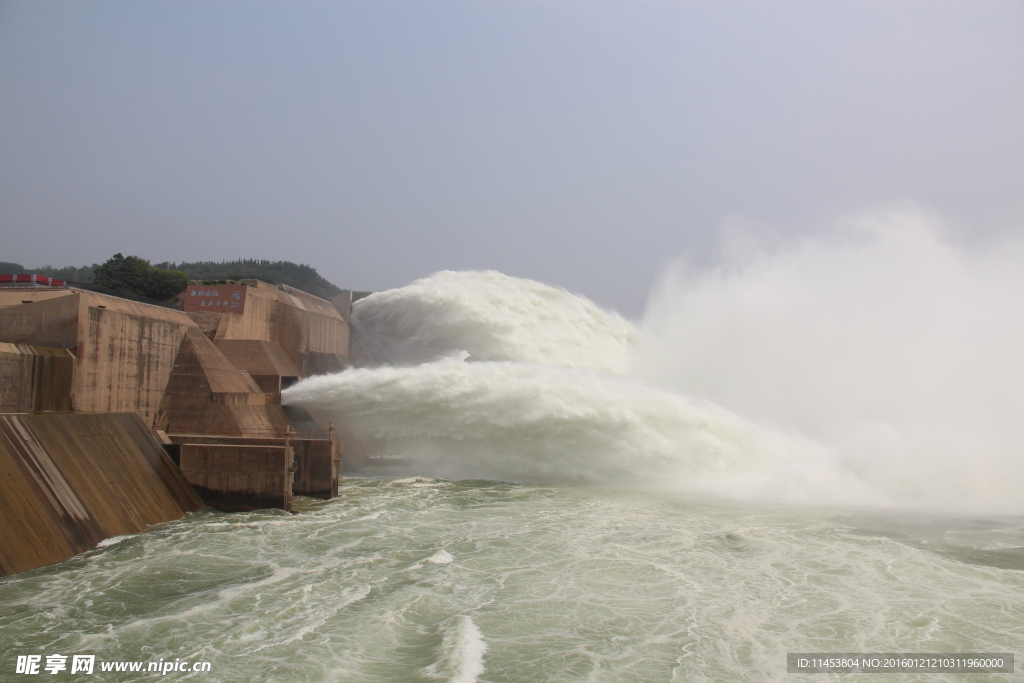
<point x="31" y="280"/>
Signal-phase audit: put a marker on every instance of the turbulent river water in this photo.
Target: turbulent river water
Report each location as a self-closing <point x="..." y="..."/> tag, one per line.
<point x="814" y="448"/>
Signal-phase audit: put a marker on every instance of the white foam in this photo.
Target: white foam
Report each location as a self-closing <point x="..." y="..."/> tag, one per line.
<point x="113" y="540"/>
<point x="493" y="317"/>
<point x="533" y="423"/>
<point x="885" y="342"/>
<point x="440" y="557"/>
<point x="465" y="647"/>
<point x="882" y="368"/>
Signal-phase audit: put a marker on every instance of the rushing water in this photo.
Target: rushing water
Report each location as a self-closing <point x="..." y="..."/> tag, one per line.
<point x="432" y="580"/>
<point x="806" y="450"/>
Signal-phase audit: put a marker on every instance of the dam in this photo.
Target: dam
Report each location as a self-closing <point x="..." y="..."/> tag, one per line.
<point x="579" y="524"/>
<point x="116" y="415"/>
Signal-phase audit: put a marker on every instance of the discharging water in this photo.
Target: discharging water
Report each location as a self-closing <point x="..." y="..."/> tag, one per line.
<point x="417" y="579"/>
<point x="806" y="450"/>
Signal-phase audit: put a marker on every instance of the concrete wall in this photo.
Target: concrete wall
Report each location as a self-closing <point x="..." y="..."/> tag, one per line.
<point x="205" y="392"/>
<point x="15" y="296"/>
<point x="125" y="350"/>
<point x="343" y="302"/>
<point x="70" y="481"/>
<point x="317" y="461"/>
<point x="35" y="378"/>
<point x="263" y="361"/>
<point x="308" y="329"/>
<point x="239" y="477"/>
<point x="51" y="322"/>
<point x="125" y="354"/>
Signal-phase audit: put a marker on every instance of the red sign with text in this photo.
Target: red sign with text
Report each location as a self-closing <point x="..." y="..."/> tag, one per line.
<point x="215" y="298"/>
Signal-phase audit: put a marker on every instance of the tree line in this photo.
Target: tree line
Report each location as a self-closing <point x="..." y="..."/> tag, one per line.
<point x="296" y="275"/>
<point x="136" y="278"/>
<point x="67" y="273"/>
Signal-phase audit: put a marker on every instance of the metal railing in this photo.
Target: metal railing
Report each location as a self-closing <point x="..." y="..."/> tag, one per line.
<point x="241" y="432"/>
<point x="31" y="285"/>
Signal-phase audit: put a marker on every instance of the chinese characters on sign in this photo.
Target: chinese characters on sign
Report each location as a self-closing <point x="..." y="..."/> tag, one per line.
<point x="215" y="298"/>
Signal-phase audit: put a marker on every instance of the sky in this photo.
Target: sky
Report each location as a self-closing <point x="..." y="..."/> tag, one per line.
<point x="583" y="144"/>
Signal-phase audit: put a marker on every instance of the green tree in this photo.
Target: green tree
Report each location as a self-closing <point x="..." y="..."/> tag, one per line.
<point x="163" y="284"/>
<point x="134" y="275"/>
<point x="301" y="276"/>
<point x="124" y="274"/>
<point x="8" y="268"/>
<point x="70" y="273"/>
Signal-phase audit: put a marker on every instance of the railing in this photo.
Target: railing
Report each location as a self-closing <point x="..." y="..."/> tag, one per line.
<point x="31" y="285"/>
<point x="241" y="432"/>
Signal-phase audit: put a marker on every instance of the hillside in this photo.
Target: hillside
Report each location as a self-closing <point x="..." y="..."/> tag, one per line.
<point x="296" y="275"/>
<point x="301" y="276"/>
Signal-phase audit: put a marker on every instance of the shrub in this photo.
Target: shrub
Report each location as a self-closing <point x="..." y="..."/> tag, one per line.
<point x="134" y="275"/>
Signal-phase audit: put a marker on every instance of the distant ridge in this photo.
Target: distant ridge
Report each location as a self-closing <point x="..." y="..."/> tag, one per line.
<point x="300" y="276"/>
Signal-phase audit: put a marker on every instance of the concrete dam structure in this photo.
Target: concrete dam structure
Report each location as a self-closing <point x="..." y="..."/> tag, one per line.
<point x="71" y="480"/>
<point x="115" y="415"/>
<point x="35" y="378"/>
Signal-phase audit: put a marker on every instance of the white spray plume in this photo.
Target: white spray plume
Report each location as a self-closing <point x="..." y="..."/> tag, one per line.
<point x="898" y="350"/>
<point x="494" y="317"/>
<point x="881" y="368"/>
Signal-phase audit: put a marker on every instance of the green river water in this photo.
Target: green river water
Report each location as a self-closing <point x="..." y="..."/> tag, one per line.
<point x="411" y="579"/>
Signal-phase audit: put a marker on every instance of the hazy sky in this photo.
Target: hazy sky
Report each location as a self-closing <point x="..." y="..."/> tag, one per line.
<point x="581" y="144"/>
